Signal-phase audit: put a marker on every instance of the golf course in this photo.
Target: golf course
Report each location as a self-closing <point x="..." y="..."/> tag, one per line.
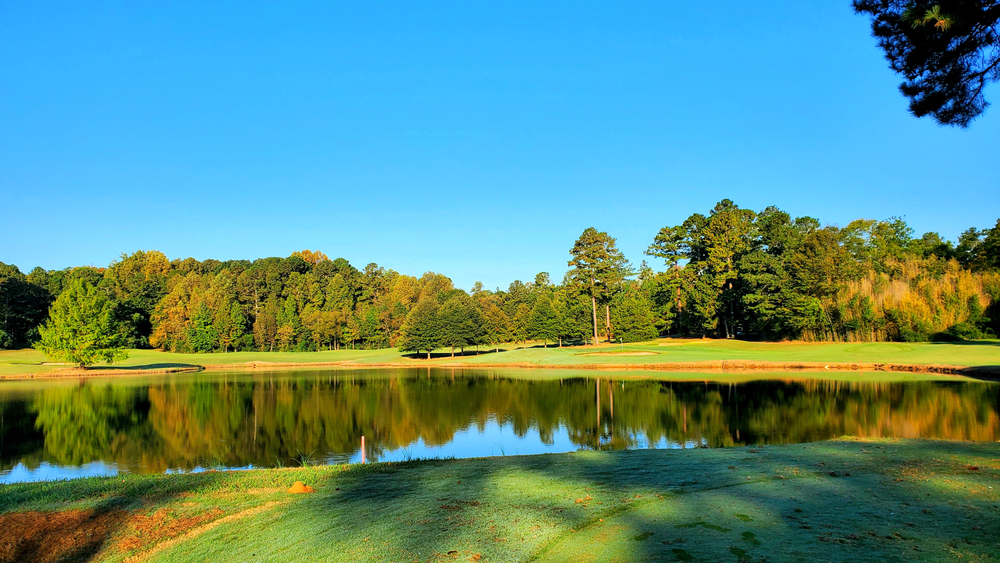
<point x="880" y="491"/>
<point x="669" y="353"/>
<point x="482" y="282"/>
<point x="845" y="500"/>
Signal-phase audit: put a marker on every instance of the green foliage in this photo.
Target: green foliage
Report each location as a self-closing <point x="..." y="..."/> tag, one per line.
<point x="521" y="323"/>
<point x="422" y="330"/>
<point x="138" y="282"/>
<point x="460" y="323"/>
<point x="83" y="327"/>
<point x="598" y="268"/>
<point x="497" y="326"/>
<point x="731" y="272"/>
<point x="944" y="49"/>
<point x="545" y="321"/>
<point x="23" y="306"/>
<point x="632" y="316"/>
<point x="777" y="278"/>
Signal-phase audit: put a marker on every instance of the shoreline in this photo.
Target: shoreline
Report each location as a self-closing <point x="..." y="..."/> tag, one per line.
<point x="708" y="366"/>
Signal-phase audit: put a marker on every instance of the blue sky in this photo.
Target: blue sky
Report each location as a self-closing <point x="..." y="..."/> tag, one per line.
<point x="473" y="139"/>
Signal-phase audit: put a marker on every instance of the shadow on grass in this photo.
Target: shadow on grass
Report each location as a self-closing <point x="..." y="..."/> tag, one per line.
<point x="448" y="355"/>
<point x="859" y="502"/>
<point x="29" y="536"/>
<point x="967" y="342"/>
<point x="158" y="366"/>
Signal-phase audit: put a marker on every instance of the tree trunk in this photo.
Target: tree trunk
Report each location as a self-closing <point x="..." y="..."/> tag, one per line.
<point x="607" y="319"/>
<point x="593" y="305"/>
<point x="452" y="351"/>
<point x="428" y="354"/>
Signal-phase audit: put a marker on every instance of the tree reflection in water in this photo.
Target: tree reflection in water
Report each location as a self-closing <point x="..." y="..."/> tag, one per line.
<point x="266" y="420"/>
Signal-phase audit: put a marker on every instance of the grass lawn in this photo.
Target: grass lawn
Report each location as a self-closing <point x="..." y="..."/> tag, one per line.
<point x="825" y="501"/>
<point x="974" y="353"/>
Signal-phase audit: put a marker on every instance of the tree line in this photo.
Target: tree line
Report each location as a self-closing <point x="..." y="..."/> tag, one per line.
<point x="729" y="273"/>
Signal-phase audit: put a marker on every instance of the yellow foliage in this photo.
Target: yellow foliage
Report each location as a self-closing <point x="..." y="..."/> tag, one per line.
<point x="312" y="257"/>
<point x="923" y="297"/>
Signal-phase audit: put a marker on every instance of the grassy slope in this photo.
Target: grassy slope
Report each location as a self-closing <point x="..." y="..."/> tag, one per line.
<point x="840" y="501"/>
<point x="18" y="362"/>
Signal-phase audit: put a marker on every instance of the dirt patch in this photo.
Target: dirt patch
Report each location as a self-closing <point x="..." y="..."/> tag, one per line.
<point x="620" y="354"/>
<point x="148" y="530"/>
<point x="71" y="535"/>
<point x="195" y="532"/>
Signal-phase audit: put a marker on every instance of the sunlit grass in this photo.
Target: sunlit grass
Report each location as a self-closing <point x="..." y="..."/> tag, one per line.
<point x="845" y="500"/>
<point x="977" y="353"/>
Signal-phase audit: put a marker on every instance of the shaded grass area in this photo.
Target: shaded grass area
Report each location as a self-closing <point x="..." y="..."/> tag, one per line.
<point x="973" y="353"/>
<point x="843" y="500"/>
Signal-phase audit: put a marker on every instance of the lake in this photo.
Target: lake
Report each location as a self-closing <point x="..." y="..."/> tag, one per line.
<point x="191" y="422"/>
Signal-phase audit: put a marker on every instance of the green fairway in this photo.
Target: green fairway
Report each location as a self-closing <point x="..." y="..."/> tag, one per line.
<point x="972" y="353"/>
<point x="826" y="501"/>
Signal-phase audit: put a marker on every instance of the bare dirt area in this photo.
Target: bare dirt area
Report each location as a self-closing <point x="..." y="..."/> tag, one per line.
<point x="80" y="535"/>
<point x="65" y="536"/>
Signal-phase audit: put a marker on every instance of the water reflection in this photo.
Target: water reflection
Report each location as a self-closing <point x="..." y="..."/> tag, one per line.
<point x="196" y="422"/>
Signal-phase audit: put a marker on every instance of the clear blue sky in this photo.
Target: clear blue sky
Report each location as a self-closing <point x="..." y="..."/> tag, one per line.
<point x="473" y="139"/>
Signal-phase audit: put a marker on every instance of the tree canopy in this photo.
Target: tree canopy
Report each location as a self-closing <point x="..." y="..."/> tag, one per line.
<point x="421" y="331"/>
<point x="730" y="272"/>
<point x="598" y="268"/>
<point x="946" y="50"/>
<point x="83" y="327"/>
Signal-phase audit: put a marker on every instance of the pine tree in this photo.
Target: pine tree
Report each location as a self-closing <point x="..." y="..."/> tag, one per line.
<point x="544" y="323"/>
<point x="598" y="268"/>
<point x="632" y="315"/>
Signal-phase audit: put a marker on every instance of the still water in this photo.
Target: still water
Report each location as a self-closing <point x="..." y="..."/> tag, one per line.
<point x="65" y="429"/>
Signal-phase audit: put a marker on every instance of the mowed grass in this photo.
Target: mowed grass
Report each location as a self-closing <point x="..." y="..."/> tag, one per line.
<point x="826" y="501"/>
<point x="974" y="353"/>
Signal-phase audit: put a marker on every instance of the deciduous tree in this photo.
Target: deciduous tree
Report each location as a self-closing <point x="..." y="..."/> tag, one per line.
<point x="421" y="331"/>
<point x="83" y="327"/>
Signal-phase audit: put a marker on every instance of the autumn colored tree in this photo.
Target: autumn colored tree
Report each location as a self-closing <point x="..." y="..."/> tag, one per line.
<point x="311" y="257"/>
<point x="138" y="282"/>
<point x="326" y="327"/>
